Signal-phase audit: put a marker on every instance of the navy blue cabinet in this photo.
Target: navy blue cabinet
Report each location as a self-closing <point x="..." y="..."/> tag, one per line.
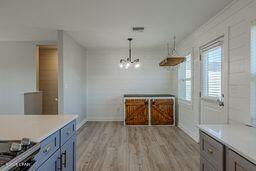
<point x="48" y="147"/>
<point x="68" y="154"/>
<point x="67" y="131"/>
<point x="58" y="151"/>
<point x="52" y="164"/>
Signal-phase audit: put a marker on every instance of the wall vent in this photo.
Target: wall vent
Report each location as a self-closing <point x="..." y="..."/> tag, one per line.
<point x="138" y="29"/>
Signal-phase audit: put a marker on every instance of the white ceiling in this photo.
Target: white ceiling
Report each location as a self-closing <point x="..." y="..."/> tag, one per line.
<point x="105" y="23"/>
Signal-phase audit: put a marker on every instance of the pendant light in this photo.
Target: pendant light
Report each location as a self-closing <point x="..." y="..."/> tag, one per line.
<point x="172" y="59"/>
<point x="127" y="63"/>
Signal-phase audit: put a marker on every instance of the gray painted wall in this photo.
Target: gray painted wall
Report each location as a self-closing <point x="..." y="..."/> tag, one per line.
<point x="17" y="75"/>
<point x="73" y="84"/>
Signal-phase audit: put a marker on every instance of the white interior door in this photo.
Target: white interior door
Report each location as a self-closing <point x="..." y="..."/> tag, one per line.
<point x="213" y="83"/>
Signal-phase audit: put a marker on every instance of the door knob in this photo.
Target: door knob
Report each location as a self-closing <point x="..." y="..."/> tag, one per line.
<point x="56" y="99"/>
<point x="220" y="100"/>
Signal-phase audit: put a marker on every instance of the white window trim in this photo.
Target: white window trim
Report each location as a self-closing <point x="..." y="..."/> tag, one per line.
<point x="252" y="81"/>
<point x="183" y="102"/>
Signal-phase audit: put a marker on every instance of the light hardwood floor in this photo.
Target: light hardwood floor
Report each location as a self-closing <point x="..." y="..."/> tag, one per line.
<point x="110" y="146"/>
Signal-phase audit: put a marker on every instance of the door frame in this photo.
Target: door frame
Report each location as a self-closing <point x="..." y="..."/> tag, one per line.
<point x="36" y="48"/>
<point x="225" y="71"/>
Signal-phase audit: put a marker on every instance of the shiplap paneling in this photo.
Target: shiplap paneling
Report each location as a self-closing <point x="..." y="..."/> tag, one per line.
<point x="240" y="53"/>
<point x="239" y="91"/>
<point x="239" y="78"/>
<point x="107" y="83"/>
<point x="236" y="18"/>
<point x="238" y="66"/>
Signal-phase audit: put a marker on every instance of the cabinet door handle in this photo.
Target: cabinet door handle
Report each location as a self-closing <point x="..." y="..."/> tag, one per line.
<point x="64" y="161"/>
<point x="209" y="150"/>
<point x="58" y="165"/>
<point x="47" y="149"/>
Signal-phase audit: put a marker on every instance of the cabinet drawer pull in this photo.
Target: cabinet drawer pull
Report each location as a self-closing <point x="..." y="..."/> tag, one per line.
<point x="58" y="164"/>
<point x="47" y="149"/>
<point x="210" y="150"/>
<point x="64" y="161"/>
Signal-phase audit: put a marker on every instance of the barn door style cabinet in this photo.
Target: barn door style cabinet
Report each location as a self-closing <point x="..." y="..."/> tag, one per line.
<point x="149" y="109"/>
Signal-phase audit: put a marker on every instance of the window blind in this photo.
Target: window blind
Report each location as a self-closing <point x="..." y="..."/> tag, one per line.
<point x="185" y="84"/>
<point x="253" y="74"/>
<point x="211" y="71"/>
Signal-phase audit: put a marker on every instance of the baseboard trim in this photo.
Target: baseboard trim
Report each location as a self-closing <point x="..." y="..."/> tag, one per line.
<point x="81" y="124"/>
<point x="105" y="119"/>
<point x="189" y="133"/>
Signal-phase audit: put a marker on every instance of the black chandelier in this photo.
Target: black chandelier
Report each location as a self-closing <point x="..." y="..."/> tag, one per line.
<point x="127" y="63"/>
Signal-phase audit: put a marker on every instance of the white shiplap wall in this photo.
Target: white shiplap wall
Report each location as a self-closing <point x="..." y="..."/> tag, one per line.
<point x="107" y="82"/>
<point x="235" y="21"/>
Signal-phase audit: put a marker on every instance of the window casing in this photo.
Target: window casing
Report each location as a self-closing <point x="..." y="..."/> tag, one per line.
<point x="185" y="79"/>
<point x="211" y="71"/>
<point x="253" y="74"/>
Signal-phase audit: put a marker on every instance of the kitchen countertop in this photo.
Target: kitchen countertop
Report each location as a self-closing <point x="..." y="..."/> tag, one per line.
<point x="35" y="127"/>
<point x="148" y="95"/>
<point x="239" y="138"/>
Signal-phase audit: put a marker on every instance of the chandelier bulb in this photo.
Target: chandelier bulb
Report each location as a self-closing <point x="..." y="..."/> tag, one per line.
<point x="127" y="65"/>
<point x="137" y="65"/>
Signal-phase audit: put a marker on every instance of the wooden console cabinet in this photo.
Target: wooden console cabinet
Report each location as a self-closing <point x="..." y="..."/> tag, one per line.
<point x="149" y="110"/>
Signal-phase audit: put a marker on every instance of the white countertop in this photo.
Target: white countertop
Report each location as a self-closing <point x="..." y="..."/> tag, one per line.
<point x="239" y="138"/>
<point x="35" y="127"/>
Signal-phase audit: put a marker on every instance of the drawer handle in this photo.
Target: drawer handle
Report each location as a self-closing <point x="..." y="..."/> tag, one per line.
<point x="210" y="150"/>
<point x="47" y="149"/>
<point x="59" y="163"/>
<point x="68" y="132"/>
<point x="64" y="161"/>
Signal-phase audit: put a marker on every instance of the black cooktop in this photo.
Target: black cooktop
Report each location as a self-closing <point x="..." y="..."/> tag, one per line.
<point x="7" y="155"/>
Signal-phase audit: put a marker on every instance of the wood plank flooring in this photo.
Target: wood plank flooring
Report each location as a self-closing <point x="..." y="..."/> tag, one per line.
<point x="110" y="146"/>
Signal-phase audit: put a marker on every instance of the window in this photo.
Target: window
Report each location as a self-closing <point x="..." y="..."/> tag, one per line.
<point x="185" y="83"/>
<point x="253" y="74"/>
<point x="211" y="73"/>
